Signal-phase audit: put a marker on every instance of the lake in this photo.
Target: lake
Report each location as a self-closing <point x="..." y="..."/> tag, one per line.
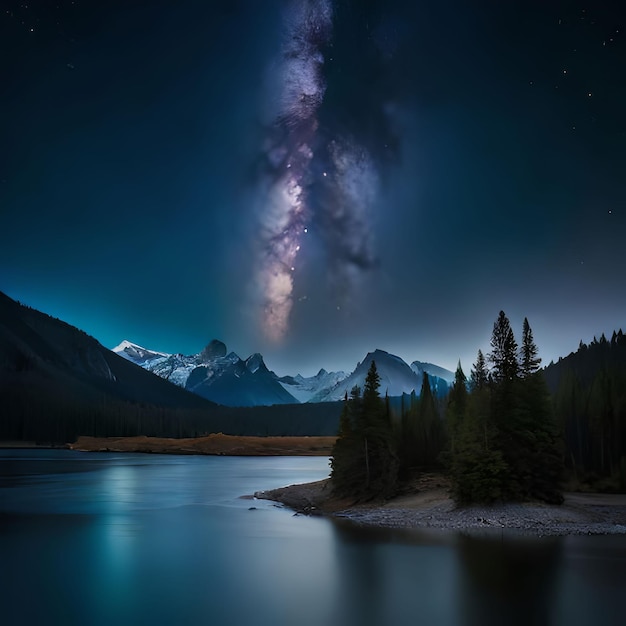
<point x="106" y="538"/>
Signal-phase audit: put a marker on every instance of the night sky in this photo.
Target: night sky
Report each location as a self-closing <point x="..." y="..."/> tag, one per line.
<point x="313" y="179"/>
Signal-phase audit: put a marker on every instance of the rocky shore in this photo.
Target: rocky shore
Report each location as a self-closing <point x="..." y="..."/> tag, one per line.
<point x="432" y="508"/>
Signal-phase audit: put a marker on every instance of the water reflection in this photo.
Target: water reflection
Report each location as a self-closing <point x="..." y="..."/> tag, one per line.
<point x="395" y="577"/>
<point x="508" y="579"/>
<point x="135" y="539"/>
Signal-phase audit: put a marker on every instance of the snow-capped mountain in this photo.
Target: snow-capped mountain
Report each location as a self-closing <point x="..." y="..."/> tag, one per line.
<point x="135" y="353"/>
<point x="213" y="374"/>
<point x="396" y="378"/>
<point x="227" y="379"/>
<point x="303" y="389"/>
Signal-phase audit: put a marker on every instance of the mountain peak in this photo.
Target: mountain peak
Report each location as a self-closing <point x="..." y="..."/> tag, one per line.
<point x="215" y="349"/>
<point x="254" y="362"/>
<point x="136" y="353"/>
<point x="380" y="352"/>
<point x="126" y="344"/>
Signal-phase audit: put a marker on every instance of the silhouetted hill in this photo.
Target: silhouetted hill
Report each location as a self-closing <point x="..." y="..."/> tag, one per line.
<point x="57" y="382"/>
<point x="588" y="360"/>
<point x="589" y="397"/>
<point x="31" y="340"/>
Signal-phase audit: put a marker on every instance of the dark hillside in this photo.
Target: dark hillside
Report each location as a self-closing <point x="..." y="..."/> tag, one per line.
<point x="57" y="383"/>
<point x="589" y="397"/>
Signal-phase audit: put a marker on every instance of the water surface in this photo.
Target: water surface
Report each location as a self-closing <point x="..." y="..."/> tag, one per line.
<point x="149" y="539"/>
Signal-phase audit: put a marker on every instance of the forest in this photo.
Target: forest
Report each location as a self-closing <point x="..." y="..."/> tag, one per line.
<point x="512" y="431"/>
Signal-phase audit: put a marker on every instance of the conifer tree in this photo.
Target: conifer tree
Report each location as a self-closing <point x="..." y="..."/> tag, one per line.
<point x="380" y="453"/>
<point x="479" y="374"/>
<point x="479" y="471"/>
<point x="431" y="433"/>
<point x="346" y="455"/>
<point x="503" y="356"/>
<point x="529" y="359"/>
<point x="457" y="406"/>
<point x="507" y="446"/>
<point x="535" y="458"/>
<point x="364" y="462"/>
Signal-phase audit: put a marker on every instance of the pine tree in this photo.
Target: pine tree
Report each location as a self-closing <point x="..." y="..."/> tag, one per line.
<point x="503" y="356"/>
<point x="507" y="446"/>
<point x="536" y="458"/>
<point x="457" y="406"/>
<point x="346" y="456"/>
<point x="529" y="361"/>
<point x="364" y="462"/>
<point x="478" y="469"/>
<point x="431" y="431"/>
<point x="479" y="374"/>
<point x="372" y="415"/>
<point x="381" y="460"/>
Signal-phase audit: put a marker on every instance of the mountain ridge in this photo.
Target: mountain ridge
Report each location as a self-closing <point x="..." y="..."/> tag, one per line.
<point x="233" y="381"/>
<point x="213" y="373"/>
<point x="58" y="383"/>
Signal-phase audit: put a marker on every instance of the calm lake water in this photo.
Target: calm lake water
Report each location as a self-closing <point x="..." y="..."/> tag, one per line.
<point x="150" y="539"/>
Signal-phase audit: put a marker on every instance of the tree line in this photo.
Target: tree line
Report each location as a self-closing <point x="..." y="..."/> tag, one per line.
<point x="495" y="434"/>
<point x="589" y="398"/>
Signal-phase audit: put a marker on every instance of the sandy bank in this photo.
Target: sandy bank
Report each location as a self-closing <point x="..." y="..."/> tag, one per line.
<point x="433" y="509"/>
<point x="216" y="444"/>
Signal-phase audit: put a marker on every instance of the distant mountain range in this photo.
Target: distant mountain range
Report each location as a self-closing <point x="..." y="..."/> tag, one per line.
<point x="214" y="374"/>
<point x="396" y="377"/>
<point x="225" y="378"/>
<point x="57" y="383"/>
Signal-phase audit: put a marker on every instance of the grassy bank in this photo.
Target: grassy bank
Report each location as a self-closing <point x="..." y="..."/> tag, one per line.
<point x="216" y="444"/>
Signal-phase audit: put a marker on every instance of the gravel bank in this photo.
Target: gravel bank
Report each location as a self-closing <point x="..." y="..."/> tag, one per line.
<point x="580" y="514"/>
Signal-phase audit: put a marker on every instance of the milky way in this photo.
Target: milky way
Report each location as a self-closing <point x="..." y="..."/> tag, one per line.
<point x="285" y="212"/>
<point x="309" y="181"/>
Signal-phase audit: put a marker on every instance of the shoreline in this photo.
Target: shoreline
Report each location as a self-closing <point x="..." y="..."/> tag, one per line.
<point x="432" y="509"/>
<point x="216" y="444"/>
<point x="425" y="505"/>
<point x="31" y="445"/>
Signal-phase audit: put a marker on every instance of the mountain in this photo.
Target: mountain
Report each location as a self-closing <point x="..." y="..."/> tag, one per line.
<point x="225" y="378"/>
<point x="396" y="378"/>
<point x="135" y="353"/>
<point x="303" y="389"/>
<point x="420" y="367"/>
<point x="57" y="382"/>
<point x="213" y="374"/>
<point x="440" y="378"/>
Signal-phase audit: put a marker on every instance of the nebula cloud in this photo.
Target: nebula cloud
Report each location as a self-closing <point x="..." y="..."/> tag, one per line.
<point x="285" y="214"/>
<point x="343" y="215"/>
<point x="318" y="176"/>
